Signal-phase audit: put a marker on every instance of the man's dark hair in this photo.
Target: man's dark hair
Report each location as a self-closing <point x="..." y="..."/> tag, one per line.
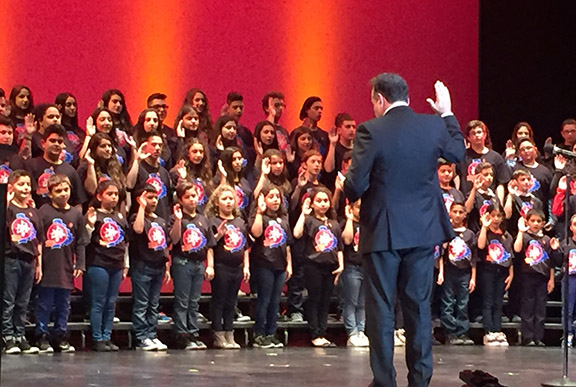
<point x="6" y="121"/>
<point x="40" y="110"/>
<point x="154" y="96"/>
<point x="307" y="105"/>
<point x="341" y="117"/>
<point x="392" y="87"/>
<point x="272" y="94"/>
<point x="55" y="129"/>
<point x="234" y="96"/>
<point x="568" y="121"/>
<point x="443" y="161"/>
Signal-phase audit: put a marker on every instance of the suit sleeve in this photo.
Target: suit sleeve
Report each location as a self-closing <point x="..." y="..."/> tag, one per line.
<point x="453" y="148"/>
<point x="358" y="176"/>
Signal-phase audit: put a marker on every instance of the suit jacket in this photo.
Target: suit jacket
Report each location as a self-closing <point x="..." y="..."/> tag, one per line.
<point x="394" y="171"/>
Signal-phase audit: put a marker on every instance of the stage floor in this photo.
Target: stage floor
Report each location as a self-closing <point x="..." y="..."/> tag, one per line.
<point x="514" y="366"/>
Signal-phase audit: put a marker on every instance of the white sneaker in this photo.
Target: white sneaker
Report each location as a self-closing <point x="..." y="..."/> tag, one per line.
<point x="488" y="338"/>
<point x="398" y="339"/>
<point x="147" y="345"/>
<point x="365" y="342"/>
<point x="354" y="340"/>
<point x="160" y="346"/>
<point x="501" y="339"/>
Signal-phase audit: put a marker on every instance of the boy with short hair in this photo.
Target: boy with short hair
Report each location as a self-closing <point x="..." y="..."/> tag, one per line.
<point x="23" y="260"/>
<point x="63" y="259"/>
<point x="481" y="195"/>
<point x="450" y="194"/>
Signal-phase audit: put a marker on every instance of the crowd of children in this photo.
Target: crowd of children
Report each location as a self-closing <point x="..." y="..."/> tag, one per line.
<point x="215" y="202"/>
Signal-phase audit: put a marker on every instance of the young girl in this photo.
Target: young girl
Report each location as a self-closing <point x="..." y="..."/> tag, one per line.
<point x="301" y="141"/>
<point x="195" y="167"/>
<point x="68" y="107"/>
<point x="107" y="261"/>
<point x="495" y="249"/>
<point x="325" y="260"/>
<point x="272" y="262"/>
<point x="231" y="168"/>
<point x="537" y="274"/>
<point x="264" y="139"/>
<point x="197" y="98"/>
<point x="193" y="242"/>
<point x="21" y="104"/>
<point x="231" y="262"/>
<point x="114" y="101"/>
<point x="186" y="126"/>
<point x="274" y="171"/>
<point x="149" y="121"/>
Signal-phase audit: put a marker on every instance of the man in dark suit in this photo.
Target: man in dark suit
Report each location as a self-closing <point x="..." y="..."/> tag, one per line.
<point x="402" y="218"/>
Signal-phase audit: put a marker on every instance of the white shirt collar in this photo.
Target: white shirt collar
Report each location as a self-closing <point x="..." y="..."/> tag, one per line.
<point x="395" y="104"/>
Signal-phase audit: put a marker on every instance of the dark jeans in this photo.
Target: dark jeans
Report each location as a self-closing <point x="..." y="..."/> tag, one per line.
<point x="56" y="299"/>
<point x="146" y="285"/>
<point x="187" y="276"/>
<point x="533" y="311"/>
<point x="352" y="298"/>
<point x="571" y="302"/>
<point x="104" y="287"/>
<point x="18" y="280"/>
<point x="493" y="286"/>
<point x="296" y="283"/>
<point x="225" y="286"/>
<point x="320" y="284"/>
<point x="411" y="272"/>
<point x="269" y="283"/>
<point x="454" y="300"/>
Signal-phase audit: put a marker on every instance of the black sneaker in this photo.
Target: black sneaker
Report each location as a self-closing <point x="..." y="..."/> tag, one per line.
<point x="262" y="341"/>
<point x="113" y="347"/>
<point x="11" y="347"/>
<point x="26" y="348"/>
<point x="65" y="347"/>
<point x="100" y="346"/>
<point x="44" y="344"/>
<point x="277" y="343"/>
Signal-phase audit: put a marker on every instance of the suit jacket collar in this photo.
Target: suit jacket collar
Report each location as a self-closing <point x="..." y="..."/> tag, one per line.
<point x="396" y="104"/>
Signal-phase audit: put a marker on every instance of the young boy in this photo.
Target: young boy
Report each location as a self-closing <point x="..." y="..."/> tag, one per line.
<point x="193" y="242"/>
<point x="149" y="266"/>
<point x="445" y="177"/>
<point x="481" y="195"/>
<point x="458" y="274"/>
<point x="23" y="260"/>
<point x="537" y="274"/>
<point x="63" y="259"/>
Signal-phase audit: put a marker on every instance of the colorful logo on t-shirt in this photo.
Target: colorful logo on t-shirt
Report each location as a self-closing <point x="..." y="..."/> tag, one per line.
<point x="234" y="240"/>
<point x="535" y="185"/>
<point x="572" y="261"/>
<point x="111" y="234"/>
<point x="73" y="138"/>
<point x="448" y="200"/>
<point x="103" y="177"/>
<point x="200" y="192"/>
<point x="42" y="189"/>
<point x="65" y="156"/>
<point x="472" y="169"/>
<point x="121" y="137"/>
<point x="274" y="235"/>
<point x="524" y="208"/>
<point x="356" y="240"/>
<point x="496" y="252"/>
<point x="458" y="250"/>
<point x="155" y="181"/>
<point x="436" y="252"/>
<point x="241" y="198"/>
<point x="4" y="173"/>
<point x="156" y="237"/>
<point x="22" y="229"/>
<point x="484" y="207"/>
<point x="193" y="239"/>
<point x="534" y="253"/>
<point x="324" y="240"/>
<point x="58" y="234"/>
<point x="120" y="159"/>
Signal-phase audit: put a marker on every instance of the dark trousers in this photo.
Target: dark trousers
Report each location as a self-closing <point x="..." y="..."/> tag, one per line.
<point x="104" y="287"/>
<point x="269" y="283"/>
<point x="296" y="283"/>
<point x="454" y="300"/>
<point x="56" y="299"/>
<point x="320" y="284"/>
<point x="533" y="311"/>
<point x="571" y="302"/>
<point x="146" y="286"/>
<point x="410" y="271"/>
<point x="493" y="286"/>
<point x="188" y="277"/>
<point x="225" y="286"/>
<point x="515" y="292"/>
<point x="18" y="280"/>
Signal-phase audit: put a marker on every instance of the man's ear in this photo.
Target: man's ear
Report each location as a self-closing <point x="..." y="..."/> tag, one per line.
<point x="43" y="143"/>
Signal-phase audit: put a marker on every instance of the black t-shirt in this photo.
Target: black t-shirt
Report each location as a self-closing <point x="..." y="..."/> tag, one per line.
<point x="460" y="251"/>
<point x="321" y="138"/>
<point x="452" y="195"/>
<point x="63" y="250"/>
<point x="69" y="154"/>
<point x="195" y="239"/>
<point x="243" y="197"/>
<point x="482" y="200"/>
<point x="521" y="204"/>
<point x="24" y="232"/>
<point x="41" y="170"/>
<point x="542" y="177"/>
<point x="467" y="169"/>
<point x="536" y="254"/>
<point x="109" y="241"/>
<point x="567" y="251"/>
<point x="229" y="250"/>
<point x="150" y="247"/>
<point x="160" y="179"/>
<point x="9" y="161"/>
<point x="269" y="250"/>
<point x="351" y="254"/>
<point x="499" y="249"/>
<point x="323" y="241"/>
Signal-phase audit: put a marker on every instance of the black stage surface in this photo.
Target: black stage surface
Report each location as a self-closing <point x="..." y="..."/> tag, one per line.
<point x="296" y="366"/>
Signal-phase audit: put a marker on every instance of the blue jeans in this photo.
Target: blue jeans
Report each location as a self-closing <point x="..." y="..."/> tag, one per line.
<point x="493" y="288"/>
<point x="146" y="285"/>
<point x="104" y="286"/>
<point x="352" y="295"/>
<point x="56" y="299"/>
<point x="18" y="280"/>
<point x="454" y="301"/>
<point x="187" y="276"/>
<point x="269" y="284"/>
<point x="571" y="293"/>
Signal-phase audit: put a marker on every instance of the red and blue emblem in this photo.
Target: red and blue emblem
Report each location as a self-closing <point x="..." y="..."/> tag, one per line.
<point x="156" y="237"/>
<point x="484" y="207"/>
<point x="4" y="173"/>
<point x="42" y="189"/>
<point x="572" y="262"/>
<point x="193" y="240"/>
<point x="22" y="229"/>
<point x="324" y="240"/>
<point x="103" y="177"/>
<point x="66" y="156"/>
<point x="155" y="181"/>
<point x="234" y="240"/>
<point x="200" y="192"/>
<point x="458" y="250"/>
<point x="241" y="198"/>
<point x="535" y="185"/>
<point x="356" y="240"/>
<point x="524" y="208"/>
<point x="58" y="234"/>
<point x="496" y="252"/>
<point x="111" y="234"/>
<point x="274" y="235"/>
<point x="534" y="253"/>
<point x="74" y="139"/>
<point x="472" y="169"/>
<point x="448" y="200"/>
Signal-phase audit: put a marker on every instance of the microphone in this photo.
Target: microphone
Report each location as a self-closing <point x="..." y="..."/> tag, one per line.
<point x="554" y="150"/>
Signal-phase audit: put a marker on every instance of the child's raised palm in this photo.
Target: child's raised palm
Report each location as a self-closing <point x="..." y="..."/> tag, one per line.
<point x="486" y="220"/>
<point x="266" y="166"/>
<point x="261" y="203"/>
<point x="522" y="226"/>
<point x="306" y="208"/>
<point x="91" y="216"/>
<point x="177" y="211"/>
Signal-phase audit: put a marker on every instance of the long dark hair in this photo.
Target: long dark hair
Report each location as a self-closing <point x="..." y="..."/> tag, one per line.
<point x="70" y="123"/>
<point x="226" y="157"/>
<point x="258" y="131"/>
<point x="282" y="180"/>
<point x="110" y="167"/>
<point x="220" y="122"/>
<point x="112" y="133"/>
<point x="331" y="213"/>
<point x="205" y="119"/>
<point x="123" y="119"/>
<point x="282" y="211"/>
<point x="202" y="171"/>
<point x="138" y="131"/>
<point x="17" y="114"/>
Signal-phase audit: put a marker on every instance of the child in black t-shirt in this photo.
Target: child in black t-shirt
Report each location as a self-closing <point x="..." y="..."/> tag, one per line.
<point x="537" y="274"/>
<point x="63" y="260"/>
<point x="193" y="242"/>
<point x="324" y="259"/>
<point x="23" y="261"/>
<point x="481" y="195"/>
<point x="149" y="267"/>
<point x="445" y="177"/>
<point x="107" y="262"/>
<point x="272" y="262"/>
<point x="231" y="262"/>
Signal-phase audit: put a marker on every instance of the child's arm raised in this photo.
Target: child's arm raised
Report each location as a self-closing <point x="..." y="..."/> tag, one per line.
<point x="176" y="230"/>
<point x="257" y="227"/>
<point x="348" y="232"/>
<point x="519" y="242"/>
<point x="486" y="222"/>
<point x="138" y="225"/>
<point x="299" y="227"/>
